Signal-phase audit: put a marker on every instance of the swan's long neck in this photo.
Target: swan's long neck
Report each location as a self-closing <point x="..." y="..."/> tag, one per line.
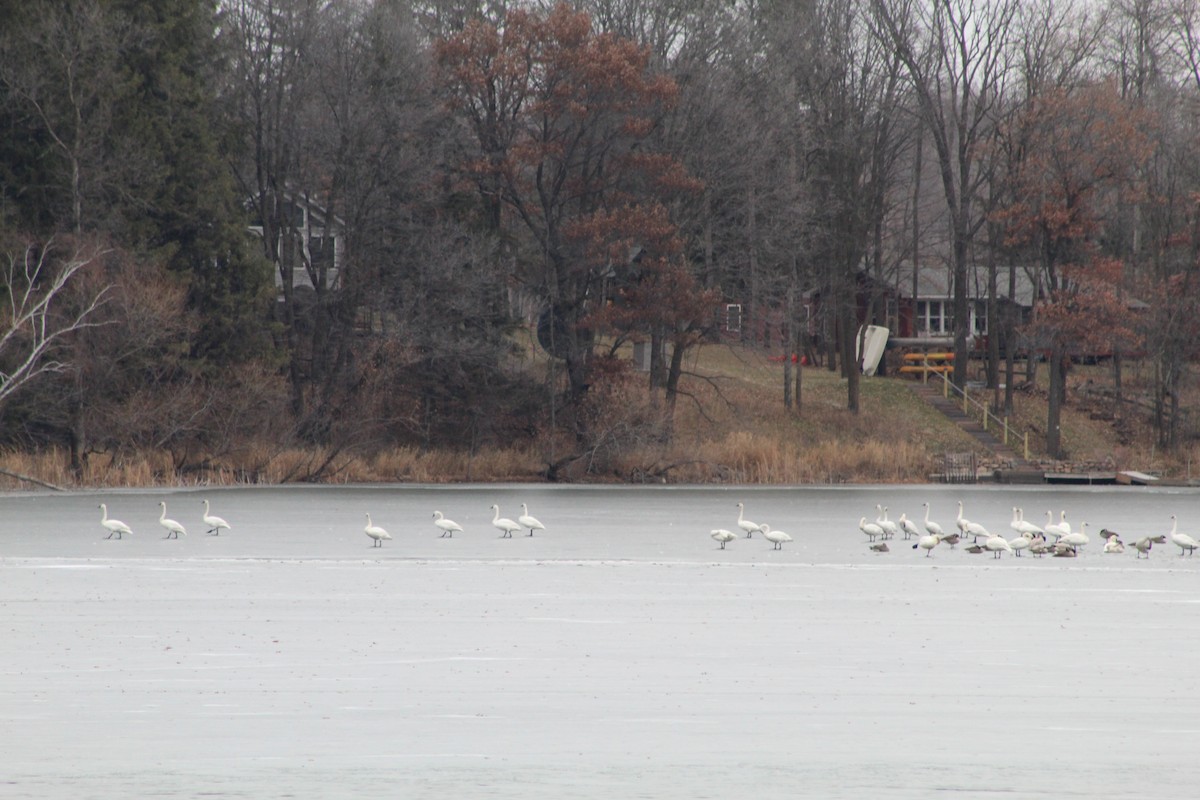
<point x="741" y="510"/>
<point x="1174" y="525"/>
<point x="927" y="513"/>
<point x="368" y="520"/>
<point x="496" y="518"/>
<point x="163" y="515"/>
<point x="103" y="513"/>
<point x="960" y="516"/>
<point x="206" y="508"/>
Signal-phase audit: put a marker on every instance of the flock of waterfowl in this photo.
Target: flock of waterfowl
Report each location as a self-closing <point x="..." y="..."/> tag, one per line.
<point x="1056" y="539"/>
<point x="725" y="536"/>
<point x="173" y="528"/>
<point x="378" y="535"/>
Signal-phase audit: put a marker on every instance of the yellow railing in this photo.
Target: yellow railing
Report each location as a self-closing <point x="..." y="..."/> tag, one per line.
<point x="984" y="413"/>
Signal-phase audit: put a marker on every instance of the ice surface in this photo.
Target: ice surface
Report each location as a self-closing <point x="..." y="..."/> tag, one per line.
<point x="618" y="654"/>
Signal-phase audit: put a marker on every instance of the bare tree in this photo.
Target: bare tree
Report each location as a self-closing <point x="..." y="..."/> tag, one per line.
<point x="957" y="57"/>
<point x="31" y="329"/>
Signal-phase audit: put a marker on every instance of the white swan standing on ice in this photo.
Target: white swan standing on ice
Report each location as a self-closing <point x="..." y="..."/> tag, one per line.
<point x="1019" y="543"/>
<point x="723" y="536"/>
<point x="776" y="538"/>
<point x="376" y="533"/>
<point x="745" y="524"/>
<point x="1076" y="539"/>
<point x="504" y="524"/>
<point x="870" y="528"/>
<point x="1060" y="528"/>
<point x="113" y="525"/>
<point x="932" y="527"/>
<point x="448" y="526"/>
<point x="174" y="529"/>
<point x="927" y="543"/>
<point x="960" y="520"/>
<point x="1026" y="527"/>
<point x="890" y="529"/>
<point x="528" y="521"/>
<point x="909" y="527"/>
<point x="997" y="544"/>
<point x="1186" y="544"/>
<point x="215" y="524"/>
<point x="968" y="528"/>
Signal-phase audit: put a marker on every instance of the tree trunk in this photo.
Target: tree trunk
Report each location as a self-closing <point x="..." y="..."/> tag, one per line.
<point x="851" y="365"/>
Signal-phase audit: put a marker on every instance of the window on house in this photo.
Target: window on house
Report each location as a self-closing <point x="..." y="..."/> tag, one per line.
<point x="933" y="318"/>
<point x="979" y="323"/>
<point x="320" y="248"/>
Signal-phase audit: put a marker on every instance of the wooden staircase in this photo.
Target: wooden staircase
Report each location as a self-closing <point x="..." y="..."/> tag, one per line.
<point x="952" y="409"/>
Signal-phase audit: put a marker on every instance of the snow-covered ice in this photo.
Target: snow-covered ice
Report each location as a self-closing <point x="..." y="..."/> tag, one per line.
<point x="619" y="653"/>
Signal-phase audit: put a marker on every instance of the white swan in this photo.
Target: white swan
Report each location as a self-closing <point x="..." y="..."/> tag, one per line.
<point x="1114" y="545"/>
<point x="960" y="520"/>
<point x="1027" y="527"/>
<point x="890" y="529"/>
<point x="745" y="524"/>
<point x="528" y="521"/>
<point x="1015" y="524"/>
<point x="215" y="524"/>
<point x="376" y="533"/>
<point x="1019" y="543"/>
<point x="777" y="538"/>
<point x="723" y="536"/>
<point x="448" y="526"/>
<point x="1060" y="528"/>
<point x="997" y="545"/>
<point x="1077" y="538"/>
<point x="927" y="543"/>
<point x="113" y="525"/>
<point x="931" y="527"/>
<point x="870" y="528"/>
<point x="909" y="527"/>
<point x="174" y="529"/>
<point x="968" y="528"/>
<point x="1186" y="544"/>
<point x="504" y="524"/>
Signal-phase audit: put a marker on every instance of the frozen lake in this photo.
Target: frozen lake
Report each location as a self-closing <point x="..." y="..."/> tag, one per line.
<point x="618" y="654"/>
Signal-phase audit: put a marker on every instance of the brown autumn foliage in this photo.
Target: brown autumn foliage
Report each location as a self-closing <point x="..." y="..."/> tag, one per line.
<point x="1083" y="149"/>
<point x="562" y="116"/>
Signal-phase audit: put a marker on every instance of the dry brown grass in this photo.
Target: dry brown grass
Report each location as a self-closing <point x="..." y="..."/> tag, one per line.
<point x="730" y="427"/>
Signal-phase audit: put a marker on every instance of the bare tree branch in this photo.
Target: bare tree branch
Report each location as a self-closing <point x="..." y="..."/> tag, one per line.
<point x="29" y="330"/>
